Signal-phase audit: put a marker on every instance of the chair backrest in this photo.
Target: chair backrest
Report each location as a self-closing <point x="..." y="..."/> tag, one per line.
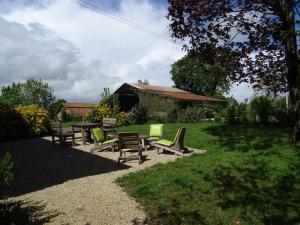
<point x="98" y="135"/>
<point x="109" y="122"/>
<point x="129" y="140"/>
<point x="179" y="139"/>
<point x="156" y="130"/>
<point x="56" y="126"/>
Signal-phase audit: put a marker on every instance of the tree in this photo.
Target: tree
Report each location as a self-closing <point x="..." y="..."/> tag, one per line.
<point x="31" y="92"/>
<point x="193" y="75"/>
<point x="105" y="94"/>
<point x="11" y="96"/>
<point x="145" y="82"/>
<point x="260" y="33"/>
<point x="38" y="93"/>
<point x="55" y="106"/>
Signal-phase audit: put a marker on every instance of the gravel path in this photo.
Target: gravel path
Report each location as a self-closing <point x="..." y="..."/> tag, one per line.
<point x="71" y="186"/>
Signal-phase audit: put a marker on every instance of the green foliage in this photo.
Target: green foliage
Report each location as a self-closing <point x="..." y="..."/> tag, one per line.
<point x="37" y="118"/>
<point x="280" y="111"/>
<point x="38" y="93"/>
<point x="122" y="118"/>
<point x="100" y="111"/>
<point x="31" y="92"/>
<point x="109" y="106"/>
<point x="12" y="95"/>
<point x="6" y="174"/>
<point x="261" y="106"/>
<point x="115" y="104"/>
<point x="196" y="76"/>
<point x="12" y="125"/>
<point x="249" y="175"/>
<point x="231" y="113"/>
<point x="191" y="114"/>
<point x="3" y="103"/>
<point x="55" y="106"/>
<point x="105" y="94"/>
<point x="67" y="116"/>
<point x="172" y="116"/>
<point x="243" y="112"/>
<point x="138" y="115"/>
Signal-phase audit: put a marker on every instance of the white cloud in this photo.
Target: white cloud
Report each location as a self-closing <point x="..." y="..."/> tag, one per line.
<point x="79" y="51"/>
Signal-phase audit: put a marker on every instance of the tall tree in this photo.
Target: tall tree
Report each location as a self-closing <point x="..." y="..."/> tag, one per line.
<point x="11" y="95"/>
<point x="31" y="92"/>
<point x="55" y="106"/>
<point x="37" y="92"/>
<point x="193" y="75"/>
<point x="262" y="34"/>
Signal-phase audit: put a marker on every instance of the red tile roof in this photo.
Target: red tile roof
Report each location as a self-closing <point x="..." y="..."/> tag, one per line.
<point x="158" y="88"/>
<point x="191" y="97"/>
<point x="175" y="93"/>
<point x="79" y="105"/>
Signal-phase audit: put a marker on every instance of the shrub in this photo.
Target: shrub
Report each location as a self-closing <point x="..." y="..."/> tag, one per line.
<point x="261" y="106"/>
<point x="138" y="115"/>
<point x="158" y="119"/>
<point x="37" y="118"/>
<point x="172" y="116"/>
<point x="100" y="111"/>
<point x="12" y="125"/>
<point x="122" y="118"/>
<point x="279" y="111"/>
<point x="242" y="112"/>
<point x="66" y="116"/>
<point x="218" y="117"/>
<point x="231" y="113"/>
<point x="191" y="114"/>
<point x="6" y="175"/>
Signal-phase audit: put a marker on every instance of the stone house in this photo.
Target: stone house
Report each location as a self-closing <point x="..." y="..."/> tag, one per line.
<point x="158" y="99"/>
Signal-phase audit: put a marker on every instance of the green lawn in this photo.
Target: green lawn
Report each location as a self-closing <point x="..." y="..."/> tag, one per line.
<point x="67" y="124"/>
<point x="250" y="175"/>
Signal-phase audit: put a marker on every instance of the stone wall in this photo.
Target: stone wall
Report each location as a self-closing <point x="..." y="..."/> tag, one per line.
<point x="157" y="105"/>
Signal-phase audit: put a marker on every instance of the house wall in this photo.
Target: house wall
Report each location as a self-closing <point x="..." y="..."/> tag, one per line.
<point x="157" y="105"/>
<point x="78" y="111"/>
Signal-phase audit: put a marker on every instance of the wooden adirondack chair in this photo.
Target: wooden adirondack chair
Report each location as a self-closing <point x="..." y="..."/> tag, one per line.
<point x="176" y="146"/>
<point x="60" y="133"/>
<point x="155" y="134"/>
<point x="109" y="125"/>
<point x="100" y="143"/>
<point x="129" y="143"/>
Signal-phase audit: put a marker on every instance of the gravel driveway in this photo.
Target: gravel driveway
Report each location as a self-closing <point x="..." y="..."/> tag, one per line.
<point x="71" y="186"/>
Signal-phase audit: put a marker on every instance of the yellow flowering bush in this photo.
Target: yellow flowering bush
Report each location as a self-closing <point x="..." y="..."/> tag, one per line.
<point x="36" y="117"/>
<point x="102" y="110"/>
<point x="122" y="118"/>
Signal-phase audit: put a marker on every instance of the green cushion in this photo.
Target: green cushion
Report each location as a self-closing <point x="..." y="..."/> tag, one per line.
<point x="156" y="130"/>
<point x="110" y="141"/>
<point x="98" y="134"/>
<point x="165" y="142"/>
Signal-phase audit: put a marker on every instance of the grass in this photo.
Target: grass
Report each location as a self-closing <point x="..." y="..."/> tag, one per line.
<point x="250" y="175"/>
<point x="67" y="124"/>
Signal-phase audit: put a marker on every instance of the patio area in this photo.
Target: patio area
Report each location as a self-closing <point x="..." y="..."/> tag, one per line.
<point x="73" y="185"/>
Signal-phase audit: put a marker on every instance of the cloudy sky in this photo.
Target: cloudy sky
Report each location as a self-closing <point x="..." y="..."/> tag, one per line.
<point x="79" y="51"/>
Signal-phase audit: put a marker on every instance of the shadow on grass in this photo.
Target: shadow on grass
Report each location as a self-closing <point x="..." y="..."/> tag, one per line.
<point x="25" y="212"/>
<point x="261" y="193"/>
<point x="38" y="165"/>
<point x="245" y="137"/>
